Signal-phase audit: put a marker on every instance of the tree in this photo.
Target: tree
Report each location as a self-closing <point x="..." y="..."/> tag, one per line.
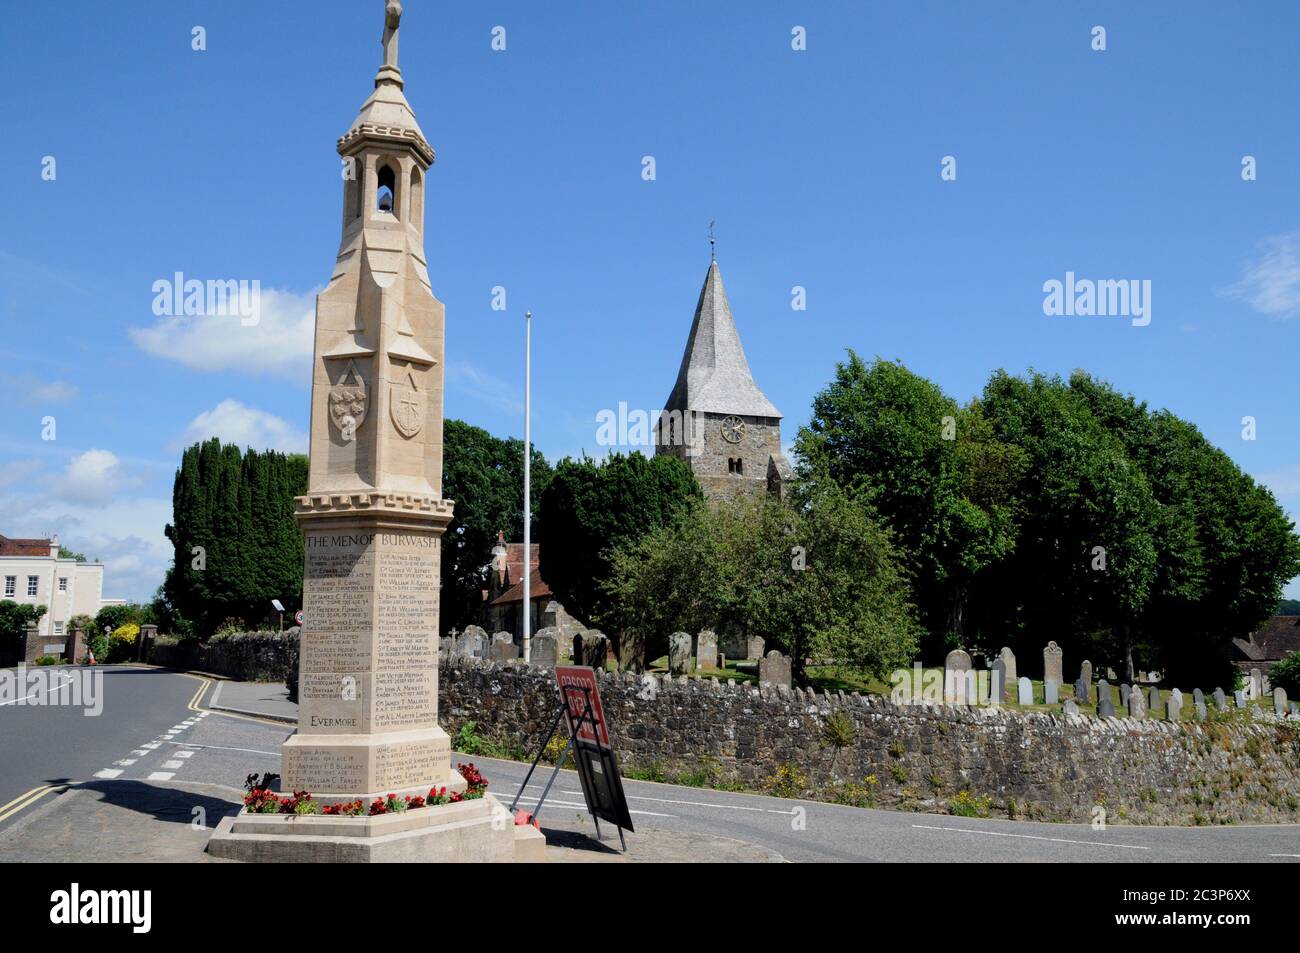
<point x="816" y="578"/>
<point x="484" y="475"/>
<point x="15" y="617"/>
<point x="1086" y="556"/>
<point x="1286" y="674"/>
<point x="65" y="553"/>
<point x="236" y="544"/>
<point x="941" y="478"/>
<point x="1225" y="548"/>
<point x="590" y="508"/>
<point x="1288" y="607"/>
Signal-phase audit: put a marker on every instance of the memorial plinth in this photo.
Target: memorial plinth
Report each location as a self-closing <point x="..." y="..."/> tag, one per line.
<point x="372" y="522"/>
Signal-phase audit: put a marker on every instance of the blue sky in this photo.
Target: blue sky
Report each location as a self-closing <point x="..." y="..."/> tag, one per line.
<point x="821" y="168"/>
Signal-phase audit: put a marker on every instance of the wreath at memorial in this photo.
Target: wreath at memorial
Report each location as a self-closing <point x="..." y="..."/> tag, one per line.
<point x="260" y="799"/>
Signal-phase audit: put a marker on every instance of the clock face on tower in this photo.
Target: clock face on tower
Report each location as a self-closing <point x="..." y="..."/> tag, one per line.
<point x="733" y="429"/>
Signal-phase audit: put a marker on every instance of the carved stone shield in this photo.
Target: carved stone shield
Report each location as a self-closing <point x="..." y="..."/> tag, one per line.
<point x="348" y="402"/>
<point x="406" y="405"/>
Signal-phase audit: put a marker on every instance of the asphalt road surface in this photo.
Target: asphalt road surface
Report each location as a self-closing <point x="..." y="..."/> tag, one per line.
<point x="153" y="726"/>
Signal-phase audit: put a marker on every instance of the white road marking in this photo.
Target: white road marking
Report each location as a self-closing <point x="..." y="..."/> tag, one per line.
<point x="160" y="776"/>
<point x="190" y="744"/>
<point x="1058" y="840"/>
<point x="583" y="804"/>
<point x="138" y="753"/>
<point x="126" y="762"/>
<point x="173" y="765"/>
<point x="664" y="800"/>
<point x="40" y="691"/>
<point x="183" y="754"/>
<point x="1284" y="855"/>
<point x="108" y="773"/>
<point x="151" y="745"/>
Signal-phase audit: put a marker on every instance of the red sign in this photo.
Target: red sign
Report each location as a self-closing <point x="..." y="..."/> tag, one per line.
<point x="578" y="687"/>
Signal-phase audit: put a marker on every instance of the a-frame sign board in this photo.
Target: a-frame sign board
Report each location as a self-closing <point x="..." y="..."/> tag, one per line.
<point x="593" y="755"/>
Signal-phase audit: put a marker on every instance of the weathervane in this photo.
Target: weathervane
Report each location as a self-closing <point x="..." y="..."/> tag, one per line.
<point x="713" y="243"/>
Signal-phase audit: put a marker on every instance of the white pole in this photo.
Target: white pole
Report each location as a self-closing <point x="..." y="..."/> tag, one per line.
<point x="528" y="535"/>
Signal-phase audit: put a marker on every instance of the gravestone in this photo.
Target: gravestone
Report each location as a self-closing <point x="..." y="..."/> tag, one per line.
<point x="1124" y="693"/>
<point x="998" y="682"/>
<point x="1174" y="709"/>
<point x="1081" y="693"/>
<point x="1201" y="711"/>
<point x="1137" y="707"/>
<point x="631" y="651"/>
<point x="473" y="642"/>
<point x="1176" y="693"/>
<point x="1085" y="672"/>
<point x="590" y="648"/>
<point x="1008" y="659"/>
<point x="1279" y="701"/>
<point x="544" y="648"/>
<point x="1110" y="674"/>
<point x="1256" y="684"/>
<point x="679" y="653"/>
<point x="1024" y="690"/>
<point x="1239" y="696"/>
<point x="1052" y="668"/>
<point x="1105" y="706"/>
<point x="1153" y="700"/>
<point x="956" y="669"/>
<point x="1220" y="700"/>
<point x="706" y="651"/>
<point x="503" y="647"/>
<point x="372" y="518"/>
<point x="774" y="670"/>
<point x="753" y="648"/>
<point x="1071" y="710"/>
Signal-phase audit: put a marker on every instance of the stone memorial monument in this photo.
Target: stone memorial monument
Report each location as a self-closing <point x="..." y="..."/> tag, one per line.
<point x="372" y="521"/>
<point x="1008" y="658"/>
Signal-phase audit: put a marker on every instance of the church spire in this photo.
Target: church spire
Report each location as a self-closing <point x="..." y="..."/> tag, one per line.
<point x="714" y="375"/>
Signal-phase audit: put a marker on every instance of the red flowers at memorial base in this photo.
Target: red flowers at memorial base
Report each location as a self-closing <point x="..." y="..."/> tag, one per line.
<point x="260" y="799"/>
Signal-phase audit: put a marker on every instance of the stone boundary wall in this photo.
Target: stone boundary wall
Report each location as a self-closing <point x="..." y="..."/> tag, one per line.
<point x="246" y="656"/>
<point x="1027" y="764"/>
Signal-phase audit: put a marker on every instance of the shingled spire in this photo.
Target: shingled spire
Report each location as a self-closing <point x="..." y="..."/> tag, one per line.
<point x="716" y="418"/>
<point x="715" y="376"/>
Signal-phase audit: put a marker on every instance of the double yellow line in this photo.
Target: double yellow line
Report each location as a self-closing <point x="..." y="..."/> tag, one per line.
<point x="27" y="799"/>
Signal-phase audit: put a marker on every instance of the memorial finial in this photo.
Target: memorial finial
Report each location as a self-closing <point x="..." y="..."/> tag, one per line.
<point x="392" y="20"/>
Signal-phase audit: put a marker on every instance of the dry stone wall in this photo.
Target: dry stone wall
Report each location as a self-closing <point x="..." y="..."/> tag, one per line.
<point x="1030" y="764"/>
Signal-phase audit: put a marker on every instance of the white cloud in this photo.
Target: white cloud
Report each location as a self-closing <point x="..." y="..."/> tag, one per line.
<point x="93" y="478"/>
<point x="1272" y="282"/>
<point x="279" y="343"/>
<point x="30" y="389"/>
<point x="88" y="507"/>
<point x="245" y="426"/>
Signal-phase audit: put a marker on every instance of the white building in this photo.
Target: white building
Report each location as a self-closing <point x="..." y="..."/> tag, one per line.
<point x="31" y="572"/>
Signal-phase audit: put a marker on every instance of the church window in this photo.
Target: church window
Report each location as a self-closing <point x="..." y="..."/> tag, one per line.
<point x="736" y="465"/>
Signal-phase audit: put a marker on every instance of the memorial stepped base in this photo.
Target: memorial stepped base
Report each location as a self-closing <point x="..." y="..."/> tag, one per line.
<point x="477" y="831"/>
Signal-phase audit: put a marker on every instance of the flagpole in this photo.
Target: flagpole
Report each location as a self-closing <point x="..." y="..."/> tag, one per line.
<point x="528" y="514"/>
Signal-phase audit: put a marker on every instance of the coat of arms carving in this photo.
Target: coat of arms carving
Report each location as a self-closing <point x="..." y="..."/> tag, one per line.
<point x="348" y="402"/>
<point x="406" y="405"/>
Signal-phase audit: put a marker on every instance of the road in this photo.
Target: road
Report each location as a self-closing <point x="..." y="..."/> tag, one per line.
<point x="154" y="726"/>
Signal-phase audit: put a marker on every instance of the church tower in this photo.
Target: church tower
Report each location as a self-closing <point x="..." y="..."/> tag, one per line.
<point x="716" y="418"/>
